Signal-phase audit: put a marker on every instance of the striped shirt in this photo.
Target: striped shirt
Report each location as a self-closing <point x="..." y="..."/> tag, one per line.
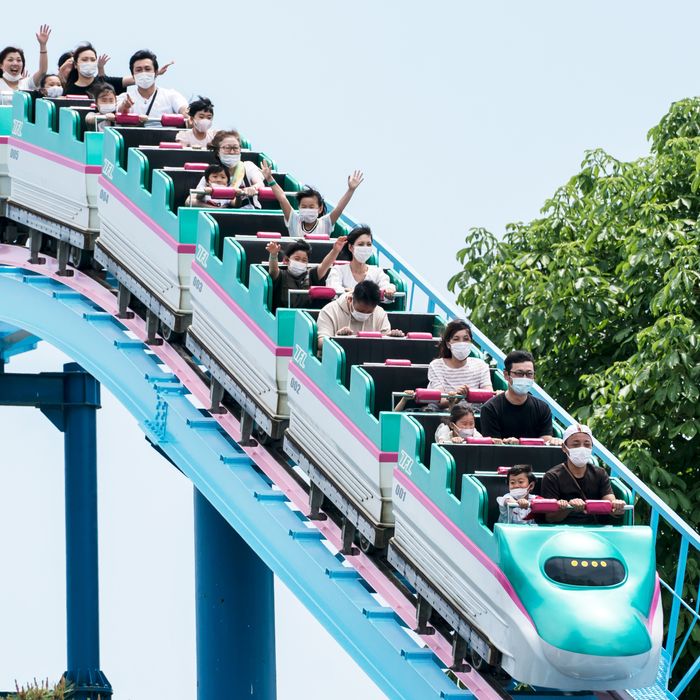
<point x="474" y="373"/>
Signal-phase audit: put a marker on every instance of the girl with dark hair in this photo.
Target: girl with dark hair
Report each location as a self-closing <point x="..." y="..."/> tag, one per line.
<point x="105" y="106"/>
<point x="12" y="65"/>
<point x="343" y="278"/>
<point x="201" y="113"/>
<point x="454" y="371"/>
<point x="458" y="426"/>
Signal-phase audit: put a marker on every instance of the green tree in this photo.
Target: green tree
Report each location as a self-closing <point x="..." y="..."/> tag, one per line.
<point x="604" y="289"/>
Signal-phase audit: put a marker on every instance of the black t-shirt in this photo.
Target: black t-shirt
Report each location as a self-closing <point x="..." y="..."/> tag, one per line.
<point x="73" y="89"/>
<point x="560" y="483"/>
<point x="285" y="282"/>
<point x="502" y="419"/>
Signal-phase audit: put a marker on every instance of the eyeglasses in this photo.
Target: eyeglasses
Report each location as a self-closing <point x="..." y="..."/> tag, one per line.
<point x="519" y="374"/>
<point x="231" y="149"/>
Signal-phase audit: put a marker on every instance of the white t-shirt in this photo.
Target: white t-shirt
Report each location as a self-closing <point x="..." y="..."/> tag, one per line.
<point x="322" y="225"/>
<point x="165" y="101"/>
<point x="24" y="84"/>
<point x="518" y="515"/>
<point x="474" y="373"/>
<point x="341" y="278"/>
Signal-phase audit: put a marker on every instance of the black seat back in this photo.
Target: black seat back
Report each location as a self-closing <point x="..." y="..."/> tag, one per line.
<point x="183" y="182"/>
<point x="159" y="158"/>
<point x="247" y="223"/>
<point x="135" y="136"/>
<point x="391" y="379"/>
<point x="409" y="322"/>
<point x="255" y="248"/>
<point x="377" y="350"/>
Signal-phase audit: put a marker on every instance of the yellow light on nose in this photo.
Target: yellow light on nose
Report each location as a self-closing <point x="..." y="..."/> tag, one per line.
<point x="584" y="564"/>
<point x="603" y="564"/>
<point x="574" y="562"/>
<point x="594" y="564"/>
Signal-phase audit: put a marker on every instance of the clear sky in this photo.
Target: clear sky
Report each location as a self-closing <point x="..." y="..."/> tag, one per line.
<point x="460" y="113"/>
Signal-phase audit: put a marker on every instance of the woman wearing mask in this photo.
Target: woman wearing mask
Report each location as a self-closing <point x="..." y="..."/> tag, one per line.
<point x="201" y="113"/>
<point x="454" y="372"/>
<point x="12" y="65"/>
<point x="343" y="278"/>
<point x="246" y="177"/>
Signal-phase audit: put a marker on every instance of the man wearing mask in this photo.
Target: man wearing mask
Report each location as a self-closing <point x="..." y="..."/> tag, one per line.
<point x="150" y="101"/>
<point x="577" y="480"/>
<point x="353" y="312"/>
<point x="516" y="413"/>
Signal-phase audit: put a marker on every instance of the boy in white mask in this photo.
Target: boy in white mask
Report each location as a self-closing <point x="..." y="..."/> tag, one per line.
<point x="201" y="112"/>
<point x="149" y="100"/>
<point x="521" y="481"/>
<point x="343" y="278"/>
<point x="311" y="216"/>
<point x="460" y="425"/>
<point x="577" y="480"/>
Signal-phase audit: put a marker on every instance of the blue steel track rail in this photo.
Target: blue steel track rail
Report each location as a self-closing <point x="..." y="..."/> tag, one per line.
<point x="284" y="539"/>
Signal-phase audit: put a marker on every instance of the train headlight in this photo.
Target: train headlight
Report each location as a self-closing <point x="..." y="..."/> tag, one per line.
<point x="585" y="572"/>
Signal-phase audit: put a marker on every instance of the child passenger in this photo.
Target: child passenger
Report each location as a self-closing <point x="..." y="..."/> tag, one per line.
<point x="215" y="175"/>
<point x="105" y="106"/>
<point x="521" y="481"/>
<point x="459" y="426"/>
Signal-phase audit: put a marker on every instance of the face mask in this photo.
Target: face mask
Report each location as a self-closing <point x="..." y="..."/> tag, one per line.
<point x="202" y="125"/>
<point x="360" y="316"/>
<point x="54" y="91"/>
<point x="460" y="351"/>
<point x="296" y="268"/>
<point x="521" y="385"/>
<point x="466" y="432"/>
<point x="9" y="78"/>
<point x="145" y="80"/>
<point x="308" y="216"/>
<point x="230" y="159"/>
<point x="88" y="70"/>
<point x="362" y="253"/>
<point x="106" y="109"/>
<point x="517" y="494"/>
<point x="580" y="456"/>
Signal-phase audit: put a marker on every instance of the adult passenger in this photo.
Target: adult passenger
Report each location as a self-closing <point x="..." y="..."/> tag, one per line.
<point x="149" y="100"/>
<point x="353" y="312"/>
<point x="343" y="278"/>
<point x="201" y="113"/>
<point x="12" y="65"/>
<point x="577" y="480"/>
<point x="454" y="371"/>
<point x="516" y="413"/>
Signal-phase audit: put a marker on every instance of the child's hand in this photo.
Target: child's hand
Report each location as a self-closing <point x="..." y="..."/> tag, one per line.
<point x="523" y="503"/>
<point x="339" y="243"/>
<point x="248" y="191"/>
<point x="511" y="441"/>
<point x="143" y="118"/>
<point x="396" y="333"/>
<point x="563" y="504"/>
<point x="355" y="179"/>
<point x="266" y="171"/>
<point x="273" y="248"/>
<point x="390" y="291"/>
<point x="457" y="439"/>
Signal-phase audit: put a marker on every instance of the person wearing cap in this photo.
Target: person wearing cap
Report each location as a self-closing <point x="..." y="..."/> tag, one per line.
<point x="577" y="480"/>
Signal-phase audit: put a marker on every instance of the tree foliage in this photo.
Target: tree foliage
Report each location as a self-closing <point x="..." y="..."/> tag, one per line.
<point x="604" y="289"/>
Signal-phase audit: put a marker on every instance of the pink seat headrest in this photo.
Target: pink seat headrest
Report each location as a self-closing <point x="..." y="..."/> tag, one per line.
<point x="169" y="144"/>
<point x="177" y="120"/>
<point x="544" y="505"/>
<point x="266" y="193"/>
<point x="428" y="395"/>
<point x="321" y="292"/>
<point x="317" y="236"/>
<point x="599" y="507"/>
<point x="342" y="262"/>
<point x="480" y="395"/>
<point x="223" y="193"/>
<point x="399" y="362"/>
<point x="419" y="335"/>
<point x="531" y="441"/>
<point x="196" y="166"/>
<point x="76" y="97"/>
<point x="480" y="441"/>
<point x="502" y="470"/>
<point x="128" y="119"/>
<point x="268" y="234"/>
<point x="369" y="334"/>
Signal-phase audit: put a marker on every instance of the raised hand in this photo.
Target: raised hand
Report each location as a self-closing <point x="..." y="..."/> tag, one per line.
<point x="163" y="69"/>
<point x="355" y="180"/>
<point x="101" y="62"/>
<point x="339" y="243"/>
<point x="42" y="36"/>
<point x="273" y="248"/>
<point x="266" y="171"/>
<point x="126" y="104"/>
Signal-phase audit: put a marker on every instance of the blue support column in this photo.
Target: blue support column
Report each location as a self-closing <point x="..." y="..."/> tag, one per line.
<point x="82" y="398"/>
<point x="235" y="612"/>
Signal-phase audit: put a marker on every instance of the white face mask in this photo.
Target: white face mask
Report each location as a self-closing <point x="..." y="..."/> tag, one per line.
<point x="145" y="80"/>
<point x="360" y="316"/>
<point x="54" y="91"/>
<point x="202" y="125"/>
<point x="521" y="385"/>
<point x="517" y="494"/>
<point x="88" y="70"/>
<point x="580" y="456"/>
<point x="362" y="253"/>
<point x="230" y="159"/>
<point x="466" y="432"/>
<point x="460" y="350"/>
<point x="107" y="109"/>
<point x="296" y="268"/>
<point x="308" y="216"/>
<point x="9" y="78"/>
